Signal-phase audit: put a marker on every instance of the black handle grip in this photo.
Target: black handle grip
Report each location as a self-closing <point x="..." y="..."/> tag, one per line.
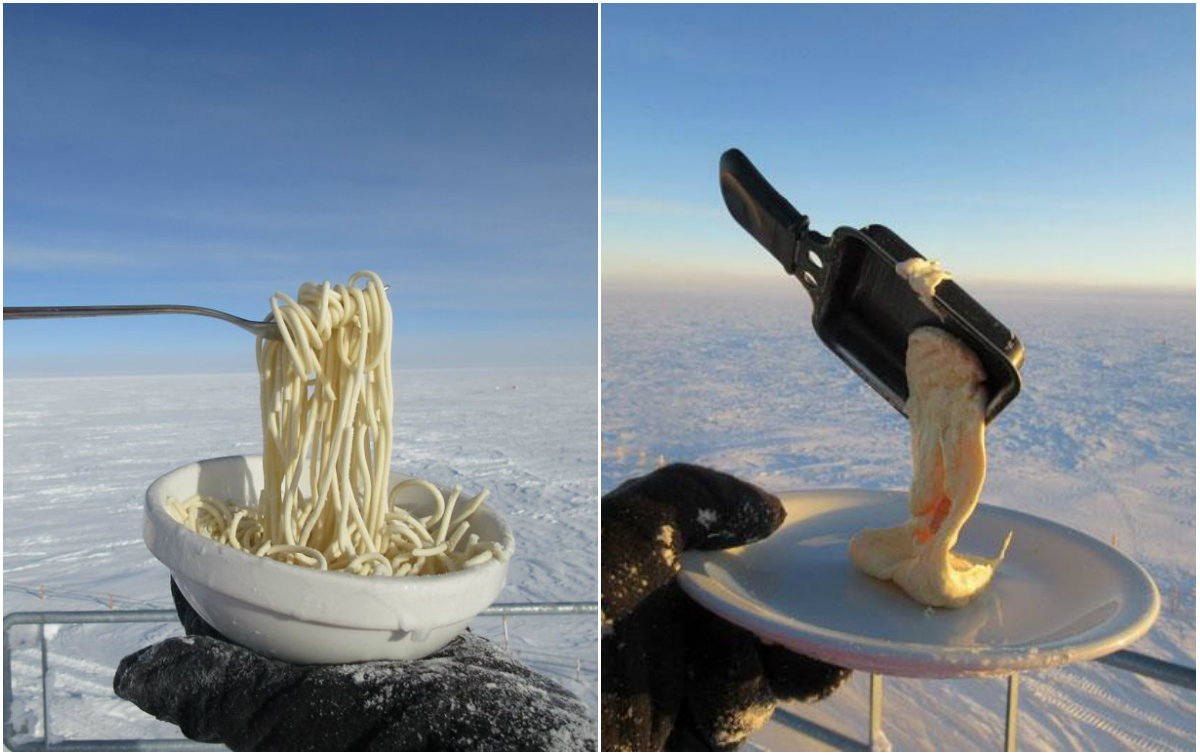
<point x="760" y="209"/>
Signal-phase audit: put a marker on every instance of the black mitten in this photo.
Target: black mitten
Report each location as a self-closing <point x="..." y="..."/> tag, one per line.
<point x="673" y="675"/>
<point x="469" y="696"/>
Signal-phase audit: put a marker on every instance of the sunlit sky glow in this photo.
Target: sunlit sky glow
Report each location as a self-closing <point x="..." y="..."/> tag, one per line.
<point x="214" y="154"/>
<point x="1014" y="143"/>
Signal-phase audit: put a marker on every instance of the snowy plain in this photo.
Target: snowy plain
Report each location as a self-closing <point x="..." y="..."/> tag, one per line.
<point x="80" y="452"/>
<point x="1102" y="439"/>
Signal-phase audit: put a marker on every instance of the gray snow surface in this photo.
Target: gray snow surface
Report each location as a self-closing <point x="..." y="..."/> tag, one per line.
<point x="1102" y="438"/>
<point x="80" y="452"/>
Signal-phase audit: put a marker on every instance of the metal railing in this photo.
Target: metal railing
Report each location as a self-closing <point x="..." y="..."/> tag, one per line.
<point x="42" y="619"/>
<point x="1130" y="661"/>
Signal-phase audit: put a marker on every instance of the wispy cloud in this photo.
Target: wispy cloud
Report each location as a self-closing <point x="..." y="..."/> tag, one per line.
<point x="37" y="259"/>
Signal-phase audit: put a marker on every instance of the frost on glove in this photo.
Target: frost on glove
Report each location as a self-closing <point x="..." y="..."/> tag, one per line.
<point x="675" y="676"/>
<point x="469" y="696"/>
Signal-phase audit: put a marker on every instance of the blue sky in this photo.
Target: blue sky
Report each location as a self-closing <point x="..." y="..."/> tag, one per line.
<point x="215" y="154"/>
<point x="1014" y="143"/>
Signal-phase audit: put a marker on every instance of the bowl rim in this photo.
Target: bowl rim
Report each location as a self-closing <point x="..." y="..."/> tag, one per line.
<point x="240" y="574"/>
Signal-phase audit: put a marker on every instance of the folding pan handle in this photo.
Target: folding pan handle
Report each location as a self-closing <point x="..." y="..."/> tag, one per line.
<point x="761" y="210"/>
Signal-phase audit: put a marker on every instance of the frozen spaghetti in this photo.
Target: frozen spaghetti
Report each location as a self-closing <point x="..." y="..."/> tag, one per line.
<point x="326" y="401"/>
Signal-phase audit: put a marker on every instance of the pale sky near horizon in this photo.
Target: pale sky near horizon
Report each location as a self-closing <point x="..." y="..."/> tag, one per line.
<point x="1014" y="143"/>
<point x="215" y="154"/>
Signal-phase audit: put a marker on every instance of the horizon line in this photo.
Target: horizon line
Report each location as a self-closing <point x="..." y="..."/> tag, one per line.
<point x="252" y="374"/>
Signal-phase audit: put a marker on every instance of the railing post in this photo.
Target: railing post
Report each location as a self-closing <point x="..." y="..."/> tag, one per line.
<point x="1010" y="720"/>
<point x="45" y="690"/>
<point x="875" y="737"/>
<point x="8" y="690"/>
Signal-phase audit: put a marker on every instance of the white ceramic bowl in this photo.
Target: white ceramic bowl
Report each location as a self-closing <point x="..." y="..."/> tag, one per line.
<point x="310" y="616"/>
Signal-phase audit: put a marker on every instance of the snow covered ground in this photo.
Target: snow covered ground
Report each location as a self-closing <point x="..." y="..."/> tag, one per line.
<point x="80" y="452"/>
<point x="1102" y="438"/>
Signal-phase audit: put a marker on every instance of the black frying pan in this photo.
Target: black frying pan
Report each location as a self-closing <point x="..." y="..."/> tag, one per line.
<point x="862" y="308"/>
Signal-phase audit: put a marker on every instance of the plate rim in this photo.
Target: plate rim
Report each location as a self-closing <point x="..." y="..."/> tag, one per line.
<point x="914" y="659"/>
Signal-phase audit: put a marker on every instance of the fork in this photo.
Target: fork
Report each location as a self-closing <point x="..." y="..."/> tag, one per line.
<point x="266" y="329"/>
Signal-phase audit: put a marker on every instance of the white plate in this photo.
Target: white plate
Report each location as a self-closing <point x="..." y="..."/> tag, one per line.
<point x="1060" y="597"/>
